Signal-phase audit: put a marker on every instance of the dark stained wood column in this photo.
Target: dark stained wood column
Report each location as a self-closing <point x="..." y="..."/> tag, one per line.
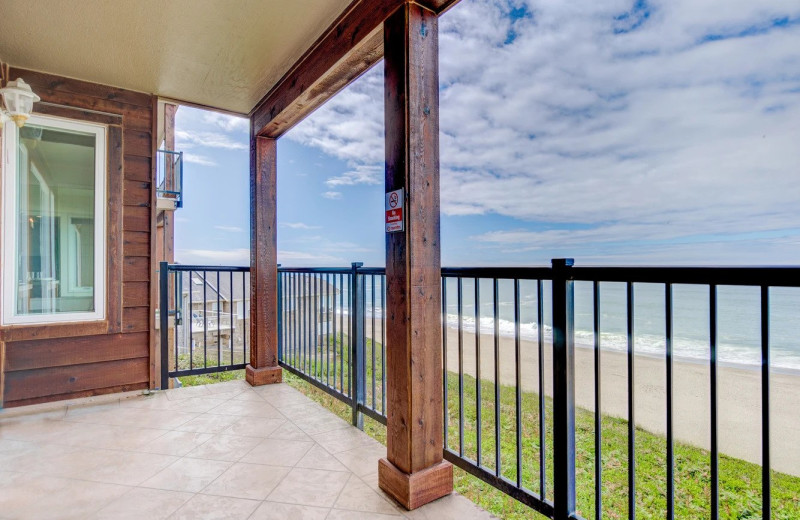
<point x="413" y="471"/>
<point x="169" y="216"/>
<point x="263" y="368"/>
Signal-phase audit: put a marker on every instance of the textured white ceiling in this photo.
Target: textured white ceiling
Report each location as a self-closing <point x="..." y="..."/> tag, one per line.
<point x="223" y="54"/>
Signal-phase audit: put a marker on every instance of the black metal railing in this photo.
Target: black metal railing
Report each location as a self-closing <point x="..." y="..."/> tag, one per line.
<point x="206" y="326"/>
<point x="509" y="367"/>
<point x="329" y="323"/>
<point x="169" y="176"/>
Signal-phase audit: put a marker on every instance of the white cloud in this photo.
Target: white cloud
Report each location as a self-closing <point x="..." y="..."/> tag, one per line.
<point x="230" y="229"/>
<point x="202" y="160"/>
<point x="653" y="120"/>
<point x="226" y="122"/>
<point x="299" y="225"/>
<point x="302" y="258"/>
<point x="209" y="257"/>
<point x="333" y="195"/>
<point x="360" y="174"/>
<point x="205" y="139"/>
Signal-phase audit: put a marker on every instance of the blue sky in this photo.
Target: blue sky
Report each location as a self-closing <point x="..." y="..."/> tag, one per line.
<point x="614" y="132"/>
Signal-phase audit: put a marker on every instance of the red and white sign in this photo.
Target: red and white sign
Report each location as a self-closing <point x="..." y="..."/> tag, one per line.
<point x="394" y="211"/>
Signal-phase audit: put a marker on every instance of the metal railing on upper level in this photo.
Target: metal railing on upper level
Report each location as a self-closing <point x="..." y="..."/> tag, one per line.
<point x="510" y="377"/>
<point x="169" y="177"/>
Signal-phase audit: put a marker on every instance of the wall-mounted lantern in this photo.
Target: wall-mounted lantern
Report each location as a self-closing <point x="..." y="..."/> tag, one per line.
<point x="19" y="100"/>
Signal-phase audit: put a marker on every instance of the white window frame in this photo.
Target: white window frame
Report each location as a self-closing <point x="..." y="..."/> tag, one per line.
<point x="8" y="285"/>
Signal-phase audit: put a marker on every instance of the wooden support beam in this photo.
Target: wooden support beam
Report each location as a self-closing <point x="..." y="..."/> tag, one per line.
<point x="263" y="368"/>
<point x="347" y="49"/>
<point x="413" y="471"/>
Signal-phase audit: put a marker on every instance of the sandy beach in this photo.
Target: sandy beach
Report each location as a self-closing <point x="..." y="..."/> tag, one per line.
<point x="739" y="395"/>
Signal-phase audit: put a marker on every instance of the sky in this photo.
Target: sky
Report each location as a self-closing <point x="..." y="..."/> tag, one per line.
<point x="619" y="132"/>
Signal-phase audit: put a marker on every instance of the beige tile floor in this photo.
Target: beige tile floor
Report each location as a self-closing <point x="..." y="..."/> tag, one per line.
<point x="224" y="451"/>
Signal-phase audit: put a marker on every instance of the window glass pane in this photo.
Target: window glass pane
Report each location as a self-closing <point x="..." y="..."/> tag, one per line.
<point x="55" y="242"/>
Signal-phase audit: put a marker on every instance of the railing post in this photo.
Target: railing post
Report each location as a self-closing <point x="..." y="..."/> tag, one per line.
<point x="357" y="344"/>
<point x="163" y="315"/>
<point x="563" y="389"/>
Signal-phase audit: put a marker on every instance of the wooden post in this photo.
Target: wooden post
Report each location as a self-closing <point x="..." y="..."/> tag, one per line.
<point x="169" y="144"/>
<point x="413" y="472"/>
<point x="263" y="368"/>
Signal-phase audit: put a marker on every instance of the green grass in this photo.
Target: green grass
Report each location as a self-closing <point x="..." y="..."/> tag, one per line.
<point x="740" y="481"/>
<point x="208" y="379"/>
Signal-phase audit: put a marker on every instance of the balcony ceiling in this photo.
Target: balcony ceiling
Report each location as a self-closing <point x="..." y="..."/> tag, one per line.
<point x="216" y="53"/>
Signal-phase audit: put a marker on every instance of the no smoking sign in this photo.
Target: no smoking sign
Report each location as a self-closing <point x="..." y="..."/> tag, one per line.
<point x="394" y="211"/>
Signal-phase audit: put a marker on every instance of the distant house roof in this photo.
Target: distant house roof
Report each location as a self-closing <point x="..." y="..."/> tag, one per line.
<point x="207" y="285"/>
<point x="239" y="289"/>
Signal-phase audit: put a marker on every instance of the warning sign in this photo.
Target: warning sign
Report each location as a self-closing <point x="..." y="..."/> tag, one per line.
<point x="394" y="211"/>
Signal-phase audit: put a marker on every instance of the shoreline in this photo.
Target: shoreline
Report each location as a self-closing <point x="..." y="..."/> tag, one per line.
<point x="793" y="372"/>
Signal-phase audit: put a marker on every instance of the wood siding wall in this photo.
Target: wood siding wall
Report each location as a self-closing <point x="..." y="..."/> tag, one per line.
<point x="47" y="363"/>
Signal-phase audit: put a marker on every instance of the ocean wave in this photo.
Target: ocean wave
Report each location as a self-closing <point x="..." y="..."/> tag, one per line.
<point x="646" y="344"/>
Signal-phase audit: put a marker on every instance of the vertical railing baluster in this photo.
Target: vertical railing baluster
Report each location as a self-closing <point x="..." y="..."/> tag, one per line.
<point x="712" y="329"/>
<point x="598" y="419"/>
<point x="446" y="411"/>
<point x="205" y="323"/>
<point x="631" y="418"/>
<point x="245" y="330"/>
<point x="191" y="319"/>
<point x="317" y="370"/>
<point x="518" y="379"/>
<point x="496" y="315"/>
<point x="163" y="318"/>
<point x="341" y="334"/>
<point x="328" y="329"/>
<point x="357" y="343"/>
<point x="542" y="414"/>
<point x="232" y="329"/>
<point x="333" y="319"/>
<point x="280" y="315"/>
<point x="306" y="323"/>
<point x="372" y="340"/>
<point x="383" y="344"/>
<point x="670" y="442"/>
<point x="460" y="305"/>
<point x="176" y="340"/>
<point x="219" y="330"/>
<point x="766" y="495"/>
<point x="478" y="389"/>
<point x="563" y="389"/>
<point x="293" y="310"/>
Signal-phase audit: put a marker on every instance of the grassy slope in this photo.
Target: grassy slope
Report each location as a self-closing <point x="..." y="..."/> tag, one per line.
<point x="740" y="481"/>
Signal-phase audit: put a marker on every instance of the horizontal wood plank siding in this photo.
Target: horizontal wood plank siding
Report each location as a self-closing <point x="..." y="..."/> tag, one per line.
<point x="27" y="355"/>
<point x="135" y="294"/>
<point x="40" y="382"/>
<point x="61" y="361"/>
<point x="135" y="243"/>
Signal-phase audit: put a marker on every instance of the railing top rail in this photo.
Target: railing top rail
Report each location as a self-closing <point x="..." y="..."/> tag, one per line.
<point x="526" y="273"/>
<point x="777" y="276"/>
<point x="755" y="276"/>
<point x="372" y="270"/>
<point x="221" y="268"/>
<point x="317" y="270"/>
